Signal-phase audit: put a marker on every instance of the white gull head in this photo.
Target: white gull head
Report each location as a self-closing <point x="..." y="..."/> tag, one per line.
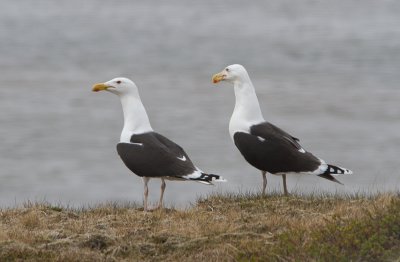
<point x="136" y="120"/>
<point x="233" y="74"/>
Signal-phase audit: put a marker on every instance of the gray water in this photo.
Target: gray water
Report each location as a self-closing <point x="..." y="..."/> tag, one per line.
<point x="325" y="71"/>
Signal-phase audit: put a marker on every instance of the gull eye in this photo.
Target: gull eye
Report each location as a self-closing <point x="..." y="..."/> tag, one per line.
<point x="227" y="69"/>
<point x="119" y="82"/>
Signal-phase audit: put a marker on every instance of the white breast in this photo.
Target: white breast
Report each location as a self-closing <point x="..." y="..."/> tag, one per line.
<point x="125" y="136"/>
<point x="247" y="110"/>
<point x="238" y="124"/>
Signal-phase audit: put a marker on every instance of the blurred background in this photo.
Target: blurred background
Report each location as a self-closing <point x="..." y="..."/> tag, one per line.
<point x="324" y="71"/>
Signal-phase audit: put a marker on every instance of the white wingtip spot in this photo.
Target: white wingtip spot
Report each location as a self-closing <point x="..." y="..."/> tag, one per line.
<point x="301" y="150"/>
<point x="221" y="179"/>
<point x="348" y="172"/>
<point x="261" y="139"/>
<point x="183" y="158"/>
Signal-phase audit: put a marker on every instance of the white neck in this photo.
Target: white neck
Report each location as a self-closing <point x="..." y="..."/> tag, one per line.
<point x="247" y="110"/>
<point x="136" y="120"/>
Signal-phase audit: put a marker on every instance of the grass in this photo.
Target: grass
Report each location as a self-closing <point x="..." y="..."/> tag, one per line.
<point x="217" y="228"/>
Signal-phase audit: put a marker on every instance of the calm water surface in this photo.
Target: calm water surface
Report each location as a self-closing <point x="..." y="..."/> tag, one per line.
<point x="327" y="72"/>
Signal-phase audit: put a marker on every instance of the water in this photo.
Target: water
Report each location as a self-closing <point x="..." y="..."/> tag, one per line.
<point x="325" y="71"/>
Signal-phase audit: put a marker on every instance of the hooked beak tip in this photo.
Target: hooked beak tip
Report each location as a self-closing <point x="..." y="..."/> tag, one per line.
<point x="218" y="77"/>
<point x="99" y="87"/>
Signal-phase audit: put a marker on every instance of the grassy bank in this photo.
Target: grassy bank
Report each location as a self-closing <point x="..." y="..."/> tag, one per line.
<point x="218" y="228"/>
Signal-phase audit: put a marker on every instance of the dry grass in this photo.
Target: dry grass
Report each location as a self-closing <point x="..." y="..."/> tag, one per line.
<point x="217" y="228"/>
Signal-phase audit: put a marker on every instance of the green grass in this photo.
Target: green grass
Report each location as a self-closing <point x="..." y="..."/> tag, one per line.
<point x="228" y="227"/>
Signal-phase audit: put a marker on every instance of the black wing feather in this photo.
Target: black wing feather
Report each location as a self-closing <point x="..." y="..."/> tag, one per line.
<point x="153" y="155"/>
<point x="276" y="152"/>
<point x="270" y="130"/>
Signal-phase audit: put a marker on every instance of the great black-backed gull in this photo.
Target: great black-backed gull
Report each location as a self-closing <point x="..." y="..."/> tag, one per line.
<point x="145" y="152"/>
<point x="265" y="146"/>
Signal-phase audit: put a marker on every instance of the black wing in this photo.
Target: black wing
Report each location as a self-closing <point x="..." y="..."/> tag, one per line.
<point x="172" y="147"/>
<point x="271" y="149"/>
<point x="153" y="155"/>
<point x="269" y="130"/>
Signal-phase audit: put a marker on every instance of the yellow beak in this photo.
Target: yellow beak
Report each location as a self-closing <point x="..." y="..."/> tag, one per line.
<point x="218" y="77"/>
<point x="99" y="87"/>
